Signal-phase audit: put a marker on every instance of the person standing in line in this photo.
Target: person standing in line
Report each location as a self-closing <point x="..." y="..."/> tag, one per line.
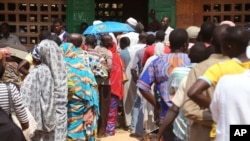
<point x="134" y="35"/>
<point x="83" y="103"/>
<point x="105" y="86"/>
<point x="176" y="86"/>
<point x="48" y="81"/>
<point x="234" y="44"/>
<point x="159" y="38"/>
<point x="206" y="32"/>
<point x="129" y="86"/>
<point x="201" y="118"/>
<point x="24" y="65"/>
<point x="124" y="53"/>
<point x="158" y="71"/>
<point x="192" y="34"/>
<point x="149" y="112"/>
<point x="229" y="105"/>
<point x="117" y="90"/>
<point x="138" y="110"/>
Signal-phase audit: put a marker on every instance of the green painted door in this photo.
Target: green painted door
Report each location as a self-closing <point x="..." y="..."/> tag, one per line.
<point x="163" y="8"/>
<point x="79" y="11"/>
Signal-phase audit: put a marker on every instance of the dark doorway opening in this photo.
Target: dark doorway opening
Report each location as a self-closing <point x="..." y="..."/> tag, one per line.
<point x="120" y="10"/>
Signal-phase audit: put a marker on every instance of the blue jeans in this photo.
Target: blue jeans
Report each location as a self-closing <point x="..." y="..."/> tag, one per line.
<point x="137" y="116"/>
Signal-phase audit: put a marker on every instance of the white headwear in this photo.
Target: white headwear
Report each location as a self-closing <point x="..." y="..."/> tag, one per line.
<point x="230" y="23"/>
<point x="159" y="49"/>
<point x="193" y="31"/>
<point x="97" y="22"/>
<point x="248" y="51"/>
<point x="132" y="21"/>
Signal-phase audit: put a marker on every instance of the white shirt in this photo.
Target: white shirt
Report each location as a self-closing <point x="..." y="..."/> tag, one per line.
<point x="167" y="32"/>
<point x="230" y="104"/>
<point x="133" y="37"/>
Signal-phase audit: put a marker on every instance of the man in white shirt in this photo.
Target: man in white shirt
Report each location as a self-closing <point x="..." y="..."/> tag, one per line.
<point x="230" y="104"/>
<point x="166" y="27"/>
<point x="133" y="36"/>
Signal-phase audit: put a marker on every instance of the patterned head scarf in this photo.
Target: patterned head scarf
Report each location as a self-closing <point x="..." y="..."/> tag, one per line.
<point x="35" y="53"/>
<point x="51" y="56"/>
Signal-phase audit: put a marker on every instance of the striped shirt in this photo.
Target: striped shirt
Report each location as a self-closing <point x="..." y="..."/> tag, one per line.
<point x="18" y="105"/>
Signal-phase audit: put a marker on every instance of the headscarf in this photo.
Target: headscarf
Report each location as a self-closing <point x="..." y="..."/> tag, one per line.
<point x="38" y="91"/>
<point x="81" y="80"/>
<point x="159" y="49"/>
<point x="51" y="55"/>
<point x="35" y="53"/>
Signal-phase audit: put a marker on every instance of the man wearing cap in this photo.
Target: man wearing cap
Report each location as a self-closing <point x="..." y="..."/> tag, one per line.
<point x="193" y="32"/>
<point x="133" y="36"/>
<point x="234" y="44"/>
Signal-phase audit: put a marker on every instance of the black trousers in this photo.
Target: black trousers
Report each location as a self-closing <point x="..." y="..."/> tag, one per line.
<point x="104" y="101"/>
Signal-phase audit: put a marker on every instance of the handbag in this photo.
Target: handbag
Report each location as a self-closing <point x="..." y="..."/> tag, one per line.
<point x="124" y="77"/>
<point x="28" y="133"/>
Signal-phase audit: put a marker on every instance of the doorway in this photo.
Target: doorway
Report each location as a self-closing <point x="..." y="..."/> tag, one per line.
<point x="120" y="10"/>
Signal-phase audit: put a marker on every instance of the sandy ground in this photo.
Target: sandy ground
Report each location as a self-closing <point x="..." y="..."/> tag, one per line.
<point x="122" y="135"/>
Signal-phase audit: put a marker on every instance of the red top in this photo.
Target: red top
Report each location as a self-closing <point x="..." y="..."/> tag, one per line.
<point x="149" y="51"/>
<point x="116" y="73"/>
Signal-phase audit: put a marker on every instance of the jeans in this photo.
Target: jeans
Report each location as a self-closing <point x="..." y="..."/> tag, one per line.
<point x="137" y="116"/>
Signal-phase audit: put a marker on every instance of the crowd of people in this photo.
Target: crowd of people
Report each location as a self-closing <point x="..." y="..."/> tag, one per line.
<point x="187" y="84"/>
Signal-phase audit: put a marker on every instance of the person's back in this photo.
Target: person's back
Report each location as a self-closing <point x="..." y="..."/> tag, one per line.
<point x="176" y="86"/>
<point x="158" y="72"/>
<point x="106" y="42"/>
<point x="159" y="37"/>
<point x="206" y="32"/>
<point x="201" y="117"/>
<point x="230" y="102"/>
<point x="133" y="36"/>
<point x="234" y="42"/>
<point x="124" y="53"/>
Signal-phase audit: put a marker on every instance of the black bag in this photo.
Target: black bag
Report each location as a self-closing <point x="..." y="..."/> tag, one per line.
<point x="9" y="131"/>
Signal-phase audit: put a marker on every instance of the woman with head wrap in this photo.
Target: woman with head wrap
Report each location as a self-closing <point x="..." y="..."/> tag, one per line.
<point x="45" y="92"/>
<point x="83" y="104"/>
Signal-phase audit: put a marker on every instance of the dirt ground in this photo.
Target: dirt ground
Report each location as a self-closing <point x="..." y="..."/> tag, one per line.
<point x="122" y="135"/>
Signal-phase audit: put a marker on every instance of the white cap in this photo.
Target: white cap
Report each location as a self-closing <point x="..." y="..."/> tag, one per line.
<point x="132" y="21"/>
<point x="193" y="31"/>
<point x="248" y="51"/>
<point x="97" y="22"/>
<point x="230" y="23"/>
